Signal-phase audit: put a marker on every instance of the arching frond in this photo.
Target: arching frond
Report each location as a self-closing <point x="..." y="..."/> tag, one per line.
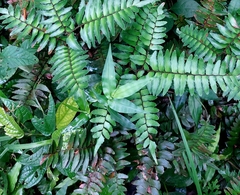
<point x="56" y="16"/>
<point x="99" y="19"/>
<point x="21" y="26"/>
<point x="69" y="69"/>
<point x="196" y="39"/>
<point x="193" y="73"/>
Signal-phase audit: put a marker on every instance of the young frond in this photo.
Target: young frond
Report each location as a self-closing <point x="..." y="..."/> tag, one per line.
<point x="193" y="73"/>
<point x="100" y="19"/>
<point x="196" y="39"/>
<point x="69" y="69"/>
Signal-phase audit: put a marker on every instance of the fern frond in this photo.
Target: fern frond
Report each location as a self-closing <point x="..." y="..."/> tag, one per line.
<point x="146" y="34"/>
<point x="100" y="19"/>
<point x="146" y="123"/>
<point x="104" y="125"/>
<point x="74" y="152"/>
<point x="235" y="187"/>
<point x="30" y="90"/>
<point x="196" y="39"/>
<point x="22" y="26"/>
<point x="210" y="14"/>
<point x="170" y="69"/>
<point x="227" y="40"/>
<point x="233" y="137"/>
<point x="69" y="69"/>
<point x="148" y="182"/>
<point x="56" y="16"/>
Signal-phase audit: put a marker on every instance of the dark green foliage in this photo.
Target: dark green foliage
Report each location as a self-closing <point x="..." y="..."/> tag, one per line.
<point x="119" y="97"/>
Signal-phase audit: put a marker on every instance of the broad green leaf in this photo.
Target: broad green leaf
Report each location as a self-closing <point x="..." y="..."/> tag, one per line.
<point x="11" y="128"/>
<point x="108" y="75"/>
<point x="185" y="8"/>
<point x="195" y="108"/>
<point x="35" y="158"/>
<point x="23" y="114"/>
<point x="124" y="106"/>
<point x="46" y="125"/>
<point x="130" y="88"/>
<point x="66" y="112"/>
<point x="13" y="56"/>
<point x="13" y="176"/>
<point x="30" y="176"/>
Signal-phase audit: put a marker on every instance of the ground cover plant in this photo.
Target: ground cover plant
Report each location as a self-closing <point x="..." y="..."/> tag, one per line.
<point x="119" y="97"/>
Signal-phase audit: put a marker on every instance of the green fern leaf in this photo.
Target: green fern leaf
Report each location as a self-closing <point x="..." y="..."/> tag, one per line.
<point x="227" y="40"/>
<point x="192" y="73"/>
<point x="100" y="18"/>
<point x="104" y="125"/>
<point x="108" y="75"/>
<point x="30" y="90"/>
<point x="24" y="26"/>
<point x="57" y="16"/>
<point x="146" y="34"/>
<point x="69" y="69"/>
<point x="11" y="128"/>
<point x="197" y="40"/>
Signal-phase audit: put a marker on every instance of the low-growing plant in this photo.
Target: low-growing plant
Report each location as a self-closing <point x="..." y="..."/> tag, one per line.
<point x="119" y="97"/>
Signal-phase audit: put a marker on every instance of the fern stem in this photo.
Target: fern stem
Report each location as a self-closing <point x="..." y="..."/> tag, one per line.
<point x="189" y="159"/>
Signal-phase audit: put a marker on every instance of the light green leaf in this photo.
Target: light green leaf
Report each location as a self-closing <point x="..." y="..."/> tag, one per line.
<point x="124" y="106"/>
<point x="11" y="128"/>
<point x="66" y="112"/>
<point x="13" y="176"/>
<point x="130" y="88"/>
<point x="108" y="75"/>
